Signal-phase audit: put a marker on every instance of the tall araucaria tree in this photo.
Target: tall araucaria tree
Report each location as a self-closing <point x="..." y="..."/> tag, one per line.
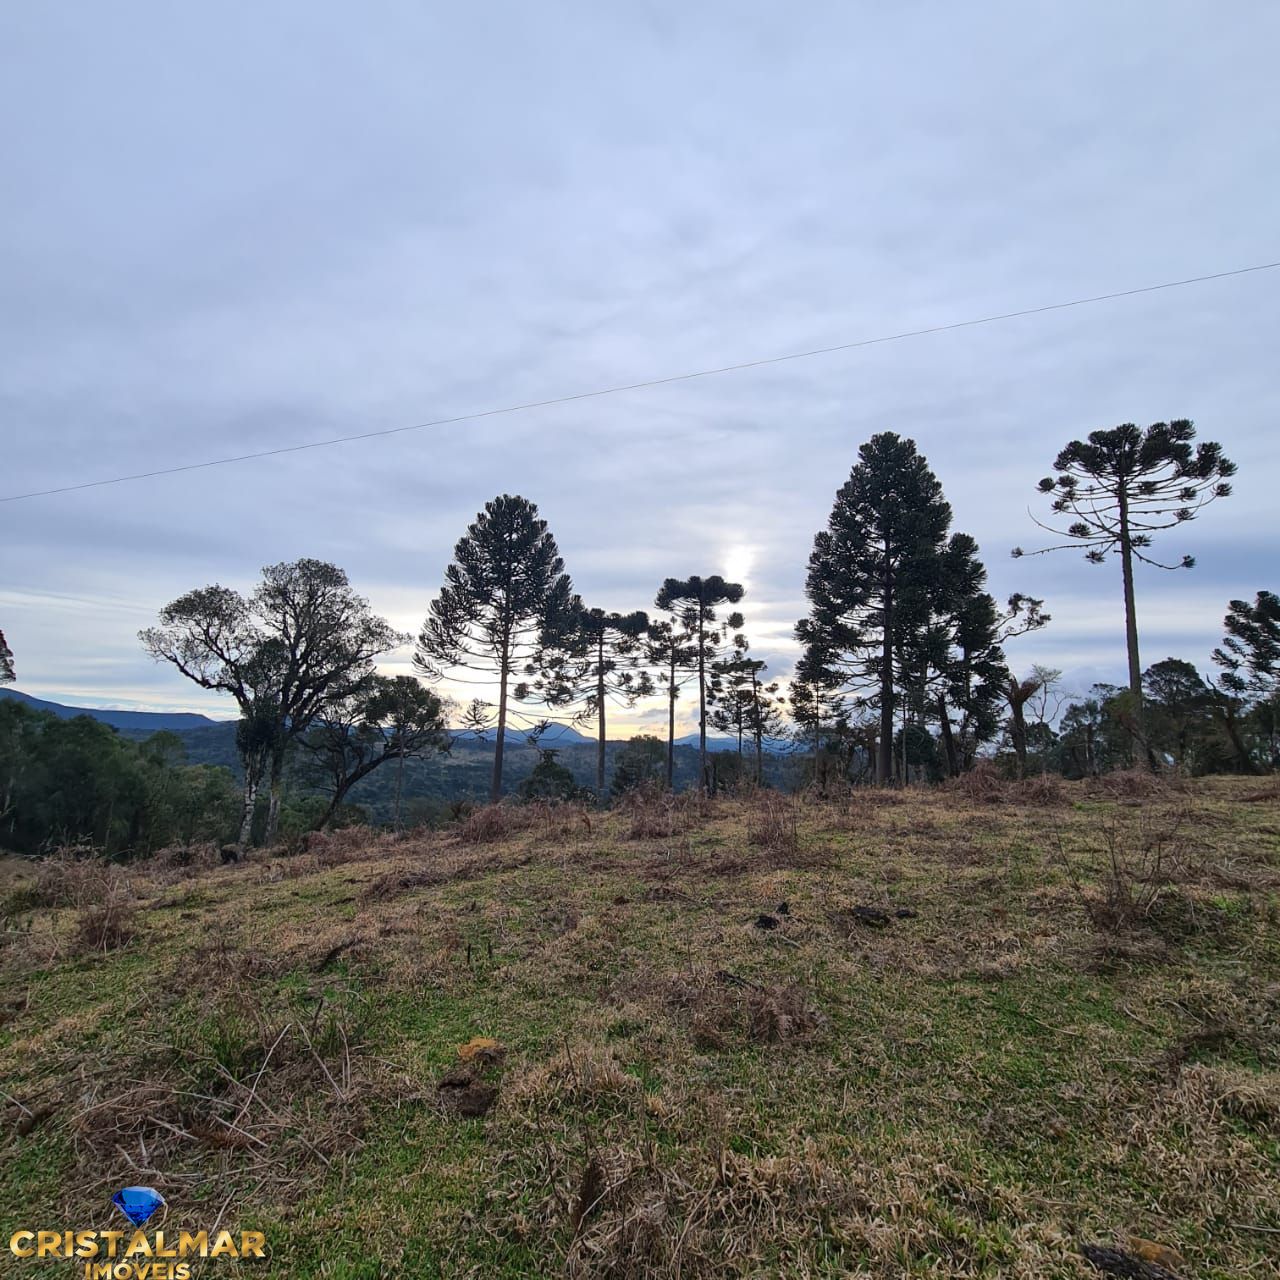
<point x="694" y="604"/>
<point x="670" y="650"/>
<point x="6" y="662"/>
<point x="504" y="595"/>
<point x="587" y="660"/>
<point x="1122" y="486"/>
<point x="298" y="643"/>
<point x="882" y="542"/>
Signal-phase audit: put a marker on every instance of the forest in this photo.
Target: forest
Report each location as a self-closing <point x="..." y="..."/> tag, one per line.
<point x="908" y="674"/>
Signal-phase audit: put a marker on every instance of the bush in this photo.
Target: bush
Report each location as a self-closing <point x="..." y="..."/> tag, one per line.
<point x="106" y="925"/>
<point x="1141" y="862"/>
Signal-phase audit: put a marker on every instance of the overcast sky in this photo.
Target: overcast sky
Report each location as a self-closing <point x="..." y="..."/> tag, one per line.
<point x="239" y="226"/>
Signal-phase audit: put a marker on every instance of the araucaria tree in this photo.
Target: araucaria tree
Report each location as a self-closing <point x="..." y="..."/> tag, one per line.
<point x="1250" y="660"/>
<point x="589" y="658"/>
<point x="300" y="642"/>
<point x="1118" y="489"/>
<point x="504" y="594"/>
<point x="693" y="604"/>
<point x="743" y="704"/>
<point x="6" y="661"/>
<point x="670" y="650"/>
<point x="879" y="550"/>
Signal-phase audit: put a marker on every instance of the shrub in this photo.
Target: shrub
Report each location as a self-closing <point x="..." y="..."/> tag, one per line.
<point x="107" y="925"/>
<point x="1141" y="862"/>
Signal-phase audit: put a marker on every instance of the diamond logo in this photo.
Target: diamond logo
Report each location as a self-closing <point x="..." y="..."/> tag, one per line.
<point x="137" y="1203"/>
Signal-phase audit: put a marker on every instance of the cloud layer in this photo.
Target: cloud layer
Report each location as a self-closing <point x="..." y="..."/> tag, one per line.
<point x="245" y="227"/>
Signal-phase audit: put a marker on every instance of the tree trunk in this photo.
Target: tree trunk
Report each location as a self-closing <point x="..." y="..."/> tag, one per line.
<point x="702" y="701"/>
<point x="600" y="691"/>
<point x="1131" y="630"/>
<point x="249" y="804"/>
<point x="884" y="756"/>
<point x="671" y="723"/>
<point x="948" y="740"/>
<point x="399" y="782"/>
<point x="277" y="792"/>
<point x="1019" y="735"/>
<point x="495" y="786"/>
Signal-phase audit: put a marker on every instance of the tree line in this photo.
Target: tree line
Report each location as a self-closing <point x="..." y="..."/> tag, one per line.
<point x="903" y="670"/>
<point x="903" y="643"/>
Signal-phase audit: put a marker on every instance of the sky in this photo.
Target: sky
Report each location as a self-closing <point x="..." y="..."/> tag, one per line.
<point x="239" y="227"/>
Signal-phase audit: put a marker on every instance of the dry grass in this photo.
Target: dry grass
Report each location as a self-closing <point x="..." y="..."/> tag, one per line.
<point x="774" y="823"/>
<point x="984" y="784"/>
<point x="957" y="1091"/>
<point x="1142" y="863"/>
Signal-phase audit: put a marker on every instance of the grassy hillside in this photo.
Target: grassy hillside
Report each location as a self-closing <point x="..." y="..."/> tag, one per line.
<point x="931" y="1034"/>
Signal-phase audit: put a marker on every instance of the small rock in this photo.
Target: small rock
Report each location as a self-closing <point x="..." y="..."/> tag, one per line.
<point x="906" y="913"/>
<point x="31" y="1119"/>
<point x="766" y="922"/>
<point x="783" y="909"/>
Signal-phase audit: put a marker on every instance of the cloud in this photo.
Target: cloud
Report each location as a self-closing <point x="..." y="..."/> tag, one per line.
<point x="248" y="229"/>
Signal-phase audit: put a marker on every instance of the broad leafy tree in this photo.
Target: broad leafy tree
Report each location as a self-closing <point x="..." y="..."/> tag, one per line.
<point x="1120" y="487"/>
<point x="640" y="763"/>
<point x="1177" y="704"/>
<point x="301" y="641"/>
<point x="77" y="781"/>
<point x="877" y="554"/>
<point x="504" y="594"/>
<point x="695" y="603"/>
<point x="385" y="718"/>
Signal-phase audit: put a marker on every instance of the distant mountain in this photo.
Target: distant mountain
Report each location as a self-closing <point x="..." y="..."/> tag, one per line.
<point x="713" y="743"/>
<point x="557" y="735"/>
<point x="146" y="721"/>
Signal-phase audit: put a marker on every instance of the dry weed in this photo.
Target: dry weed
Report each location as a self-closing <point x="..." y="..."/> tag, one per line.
<point x="774" y="823"/>
<point x="1142" y="861"/>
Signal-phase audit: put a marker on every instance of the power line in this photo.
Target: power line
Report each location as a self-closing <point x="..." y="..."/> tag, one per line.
<point x="648" y="382"/>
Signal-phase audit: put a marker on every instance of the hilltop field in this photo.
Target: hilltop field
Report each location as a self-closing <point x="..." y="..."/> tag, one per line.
<point x="963" y="1031"/>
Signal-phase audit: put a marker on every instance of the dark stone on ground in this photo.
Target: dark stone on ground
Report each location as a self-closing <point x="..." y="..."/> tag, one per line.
<point x="766" y="922"/>
<point x="1115" y="1262"/>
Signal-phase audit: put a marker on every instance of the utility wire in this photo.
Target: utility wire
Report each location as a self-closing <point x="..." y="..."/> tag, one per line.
<point x="648" y="382"/>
